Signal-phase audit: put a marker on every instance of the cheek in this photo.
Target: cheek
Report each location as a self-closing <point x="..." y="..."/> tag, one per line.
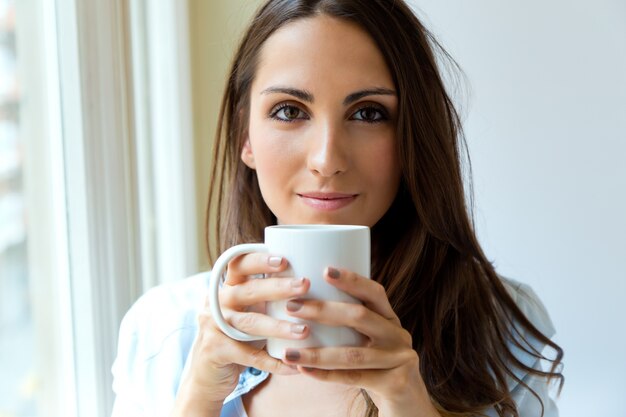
<point x="385" y="177"/>
<point x="276" y="161"/>
<point x="383" y="167"/>
<point x="272" y="154"/>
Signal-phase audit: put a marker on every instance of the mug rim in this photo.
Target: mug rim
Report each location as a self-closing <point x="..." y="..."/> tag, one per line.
<point x="316" y="227"/>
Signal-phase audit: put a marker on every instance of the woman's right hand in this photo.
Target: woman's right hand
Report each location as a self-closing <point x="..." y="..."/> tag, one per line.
<point x="216" y="359"/>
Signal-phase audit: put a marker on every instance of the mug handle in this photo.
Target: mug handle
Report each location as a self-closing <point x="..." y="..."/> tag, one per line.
<point x="214" y="281"/>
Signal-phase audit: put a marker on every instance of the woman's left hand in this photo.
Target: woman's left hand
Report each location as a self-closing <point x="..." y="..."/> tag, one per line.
<point x="387" y="367"/>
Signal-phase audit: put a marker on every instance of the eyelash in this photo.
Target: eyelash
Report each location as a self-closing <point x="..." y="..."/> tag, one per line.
<point x="379" y="109"/>
<point x="283" y="106"/>
<point x="382" y="113"/>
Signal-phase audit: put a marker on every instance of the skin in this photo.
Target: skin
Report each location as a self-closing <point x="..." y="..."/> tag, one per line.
<point x="320" y="143"/>
<point x="309" y="134"/>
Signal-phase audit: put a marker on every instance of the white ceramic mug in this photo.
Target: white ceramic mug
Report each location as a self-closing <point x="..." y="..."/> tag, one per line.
<point x="310" y="249"/>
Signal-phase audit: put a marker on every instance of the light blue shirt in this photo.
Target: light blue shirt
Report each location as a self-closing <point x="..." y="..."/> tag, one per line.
<point x="158" y="331"/>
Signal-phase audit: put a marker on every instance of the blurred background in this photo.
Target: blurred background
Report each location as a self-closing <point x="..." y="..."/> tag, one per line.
<point x="107" y="113"/>
<point x="545" y="121"/>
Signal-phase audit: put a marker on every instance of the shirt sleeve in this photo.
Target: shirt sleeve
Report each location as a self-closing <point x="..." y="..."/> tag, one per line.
<point x="155" y="339"/>
<point x="127" y="399"/>
<point x="529" y="404"/>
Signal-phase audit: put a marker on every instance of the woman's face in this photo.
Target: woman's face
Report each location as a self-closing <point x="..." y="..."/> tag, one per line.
<point x="321" y="133"/>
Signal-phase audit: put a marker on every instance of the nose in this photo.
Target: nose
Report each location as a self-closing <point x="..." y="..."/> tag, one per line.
<point x="327" y="154"/>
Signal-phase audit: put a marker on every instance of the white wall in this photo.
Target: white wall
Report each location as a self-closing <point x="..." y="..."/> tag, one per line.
<point x="546" y="127"/>
<point x="215" y="29"/>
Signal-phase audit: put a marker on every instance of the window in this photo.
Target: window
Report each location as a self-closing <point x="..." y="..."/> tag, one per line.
<point x="89" y="123"/>
<point x="35" y="324"/>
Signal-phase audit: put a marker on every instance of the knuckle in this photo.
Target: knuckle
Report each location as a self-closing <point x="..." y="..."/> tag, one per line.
<point x="258" y="355"/>
<point x="260" y="359"/>
<point x="212" y="342"/>
<point x="274" y="365"/>
<point x="413" y="359"/>
<point x="319" y="307"/>
<point x="399" y="380"/>
<point x="379" y="290"/>
<point x="204" y="319"/>
<point x="244" y="321"/>
<point x="261" y="258"/>
<point x="247" y="291"/>
<point x="359" y="313"/>
<point x="314" y="308"/>
<point x="235" y="263"/>
<point x="282" y="285"/>
<point x="408" y="357"/>
<point x="226" y="296"/>
<point x="284" y="328"/>
<point x="407" y="339"/>
<point x="353" y="276"/>
<point x="314" y="356"/>
<point x="210" y="339"/>
<point x="207" y="328"/>
<point x="355" y="356"/>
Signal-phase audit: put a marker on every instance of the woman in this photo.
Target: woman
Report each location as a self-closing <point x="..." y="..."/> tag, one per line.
<point x="335" y="112"/>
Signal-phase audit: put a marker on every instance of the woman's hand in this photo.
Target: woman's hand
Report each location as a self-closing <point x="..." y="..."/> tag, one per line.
<point x="387" y="367"/>
<point x="216" y="359"/>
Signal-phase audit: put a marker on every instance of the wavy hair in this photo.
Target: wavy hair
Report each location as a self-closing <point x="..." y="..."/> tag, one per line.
<point x="424" y="249"/>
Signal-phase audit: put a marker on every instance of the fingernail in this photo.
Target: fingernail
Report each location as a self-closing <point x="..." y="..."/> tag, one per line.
<point x="333" y="273"/>
<point x="292" y="355"/>
<point x="298" y="328"/>
<point x="274" y="261"/>
<point x="294" y="305"/>
<point x="308" y="369"/>
<point x="297" y="282"/>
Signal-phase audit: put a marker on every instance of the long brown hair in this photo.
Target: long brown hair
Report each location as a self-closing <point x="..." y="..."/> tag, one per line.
<point x="425" y="252"/>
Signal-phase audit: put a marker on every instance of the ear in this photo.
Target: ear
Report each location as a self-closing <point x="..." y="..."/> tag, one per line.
<point x="247" y="156"/>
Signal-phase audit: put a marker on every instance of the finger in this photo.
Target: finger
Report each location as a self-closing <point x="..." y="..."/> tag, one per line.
<point x="370" y="292"/>
<point x="250" y="356"/>
<point x="384" y="382"/>
<point x="261" y="290"/>
<point x="381" y="331"/>
<point x="348" y="357"/>
<point x="264" y="326"/>
<point x="352" y="377"/>
<point x="372" y="380"/>
<point x="220" y="349"/>
<point x="240" y="267"/>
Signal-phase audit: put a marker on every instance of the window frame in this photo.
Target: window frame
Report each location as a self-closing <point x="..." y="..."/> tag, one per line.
<point x="44" y="192"/>
<point x="109" y="114"/>
<point x="128" y="149"/>
<point x="97" y="129"/>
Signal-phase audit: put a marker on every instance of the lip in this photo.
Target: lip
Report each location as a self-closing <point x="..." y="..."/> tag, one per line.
<point x="327" y="201"/>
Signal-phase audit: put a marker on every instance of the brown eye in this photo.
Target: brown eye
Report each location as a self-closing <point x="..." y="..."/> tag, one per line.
<point x="288" y="113"/>
<point x="291" y="112"/>
<point x="370" y="114"/>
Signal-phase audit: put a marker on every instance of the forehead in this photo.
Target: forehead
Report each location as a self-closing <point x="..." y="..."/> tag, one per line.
<point x="322" y="51"/>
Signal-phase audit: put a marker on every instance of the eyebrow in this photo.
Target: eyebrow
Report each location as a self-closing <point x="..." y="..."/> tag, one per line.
<point x="301" y="94"/>
<point x="369" y="92"/>
<point x="305" y="95"/>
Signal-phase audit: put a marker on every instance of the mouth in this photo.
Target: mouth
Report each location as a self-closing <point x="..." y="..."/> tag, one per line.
<point x="327" y="201"/>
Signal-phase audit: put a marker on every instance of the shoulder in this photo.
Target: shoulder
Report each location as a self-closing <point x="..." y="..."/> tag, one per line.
<point x="166" y="308"/>
<point x="529" y="303"/>
<point x="155" y="339"/>
<point x="528" y="350"/>
<point x="173" y="297"/>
